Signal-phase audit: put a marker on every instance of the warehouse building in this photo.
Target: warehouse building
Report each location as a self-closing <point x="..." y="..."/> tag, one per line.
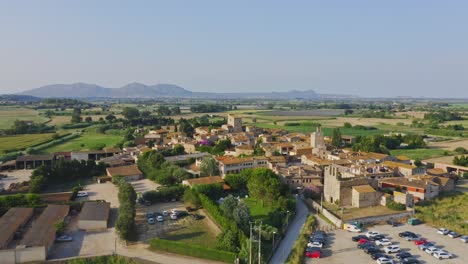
<point x="13" y="220"/>
<point x="94" y="216"/>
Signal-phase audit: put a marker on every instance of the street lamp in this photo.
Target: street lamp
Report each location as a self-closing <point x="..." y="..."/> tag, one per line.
<point x="274" y="232"/>
<point x="287" y="219"/>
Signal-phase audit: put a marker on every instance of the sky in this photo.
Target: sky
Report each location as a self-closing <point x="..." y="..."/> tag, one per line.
<point x="366" y="48"/>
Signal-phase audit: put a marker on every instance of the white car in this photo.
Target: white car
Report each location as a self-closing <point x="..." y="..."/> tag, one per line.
<point x="81" y="194"/>
<point x="442" y="254"/>
<point x="173" y="216"/>
<point x="392" y="249"/>
<point x="385" y="261"/>
<point x="383" y="242"/>
<point x="174" y="211"/>
<point x="165" y="213"/>
<point x="431" y="250"/>
<point x="315" y="244"/>
<point x="453" y="234"/>
<point x="160" y="218"/>
<point x="372" y="233"/>
<point x="464" y="239"/>
<point x="443" y="231"/>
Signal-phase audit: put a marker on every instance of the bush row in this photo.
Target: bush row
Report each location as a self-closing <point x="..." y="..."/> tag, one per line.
<point x="125" y="225"/>
<point x="37" y="148"/>
<point x="165" y="194"/>
<point x="297" y="253"/>
<point x="192" y="250"/>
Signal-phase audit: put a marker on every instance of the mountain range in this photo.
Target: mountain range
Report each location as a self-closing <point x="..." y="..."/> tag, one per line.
<point x="139" y="90"/>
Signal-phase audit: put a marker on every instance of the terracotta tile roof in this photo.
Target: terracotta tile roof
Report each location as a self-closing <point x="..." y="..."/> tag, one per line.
<point x="317" y="160"/>
<point x="402" y="158"/>
<point x="230" y="160"/>
<point x="277" y="159"/>
<point x="244" y="147"/>
<point x="393" y="164"/>
<point x="129" y="170"/>
<point x="398" y="181"/>
<point x="364" y="188"/>
<point x="11" y="221"/>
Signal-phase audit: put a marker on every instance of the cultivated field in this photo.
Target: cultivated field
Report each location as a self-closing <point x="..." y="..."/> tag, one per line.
<point x="8" y="115"/>
<point x="421" y="154"/>
<point x="87" y="141"/>
<point x="20" y="142"/>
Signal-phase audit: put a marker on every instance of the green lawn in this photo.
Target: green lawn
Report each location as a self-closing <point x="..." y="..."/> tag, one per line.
<point x="86" y="141"/>
<point x="310" y="127"/>
<point x="257" y="211"/>
<point x="448" y="211"/>
<point x="194" y="232"/>
<point x="20" y="142"/>
<point x="424" y="153"/>
<point x="8" y="115"/>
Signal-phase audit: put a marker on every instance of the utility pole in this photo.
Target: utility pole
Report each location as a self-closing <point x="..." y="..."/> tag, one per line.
<point x="260" y="243"/>
<point x="250" y="246"/>
<point x="274" y="240"/>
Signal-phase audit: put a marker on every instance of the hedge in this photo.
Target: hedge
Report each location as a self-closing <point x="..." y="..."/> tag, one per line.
<point x="297" y="254"/>
<point x="52" y="143"/>
<point x="192" y="250"/>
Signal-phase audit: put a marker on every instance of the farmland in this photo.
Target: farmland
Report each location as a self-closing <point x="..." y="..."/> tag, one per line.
<point x="8" y="115"/>
<point x="87" y="141"/>
<point x="21" y="142"/>
<point x="421" y="154"/>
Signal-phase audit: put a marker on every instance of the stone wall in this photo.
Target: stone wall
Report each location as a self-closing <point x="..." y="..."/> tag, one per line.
<point x="380" y="218"/>
<point x="329" y="215"/>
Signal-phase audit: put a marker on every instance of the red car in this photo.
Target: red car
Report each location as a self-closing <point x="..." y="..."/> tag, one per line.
<point x="362" y="241"/>
<point x="313" y="253"/>
<point x="420" y="241"/>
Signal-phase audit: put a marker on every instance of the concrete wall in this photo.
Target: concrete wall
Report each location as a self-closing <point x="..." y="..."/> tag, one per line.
<point x="380" y="218"/>
<point x="92" y="225"/>
<point x="334" y="219"/>
<point x="22" y="255"/>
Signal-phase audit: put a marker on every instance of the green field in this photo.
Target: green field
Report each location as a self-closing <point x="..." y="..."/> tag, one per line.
<point x="421" y="154"/>
<point x="194" y="232"/>
<point x="308" y="128"/>
<point x="87" y="141"/>
<point x="21" y="142"/>
<point x="257" y="211"/>
<point x="8" y="115"/>
<point x="448" y="211"/>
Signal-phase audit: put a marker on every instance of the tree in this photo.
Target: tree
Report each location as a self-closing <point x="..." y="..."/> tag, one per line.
<point x="110" y="117"/>
<point x="130" y="113"/>
<point x="336" y="137"/>
<point x="347" y="125"/>
<point x="191" y="198"/>
<point x="175" y="110"/>
<point x="263" y="185"/>
<point x="88" y="119"/>
<point x="178" y="150"/>
<point x="209" y="166"/>
<point x="186" y="127"/>
<point x="59" y="227"/>
<point x="163" y="110"/>
<point x="76" y="118"/>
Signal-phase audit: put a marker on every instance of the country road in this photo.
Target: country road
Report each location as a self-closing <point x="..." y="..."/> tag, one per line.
<point x="292" y="233"/>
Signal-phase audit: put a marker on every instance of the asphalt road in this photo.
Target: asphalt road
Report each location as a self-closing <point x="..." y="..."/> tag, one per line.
<point x="292" y="233"/>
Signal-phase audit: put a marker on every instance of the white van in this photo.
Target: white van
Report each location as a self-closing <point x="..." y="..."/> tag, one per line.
<point x="352" y="228"/>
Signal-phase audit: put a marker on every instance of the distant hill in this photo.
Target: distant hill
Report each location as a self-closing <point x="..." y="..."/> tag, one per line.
<point x="18" y="98"/>
<point x="139" y="90"/>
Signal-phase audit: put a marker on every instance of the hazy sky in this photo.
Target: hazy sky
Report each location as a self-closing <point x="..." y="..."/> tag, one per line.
<point x="368" y="48"/>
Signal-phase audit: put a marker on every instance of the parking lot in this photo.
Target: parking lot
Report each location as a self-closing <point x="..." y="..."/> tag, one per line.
<point x="341" y="249"/>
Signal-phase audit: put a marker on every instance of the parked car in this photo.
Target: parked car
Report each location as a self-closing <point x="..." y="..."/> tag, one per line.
<point x="431" y="250"/>
<point x="81" y="194"/>
<point x="372" y="250"/>
<point x="149" y="215"/>
<point x="464" y="239"/>
<point x="414" y="221"/>
<point x="412" y="237"/>
<point x="393" y="223"/>
<point x="406" y="233"/>
<point x="312" y="252"/>
<point x="441" y="254"/>
<point x="383" y="242"/>
<point x="151" y="221"/>
<point x="174" y="216"/>
<point x="165" y="213"/>
<point x="377" y="237"/>
<point x="315" y="244"/>
<point x="385" y="261"/>
<point x="378" y="255"/>
<point x="372" y="233"/>
<point x="420" y="241"/>
<point x="365" y="245"/>
<point x="453" y="234"/>
<point x="410" y="260"/>
<point x="356" y="238"/>
<point x="363" y="240"/>
<point x="403" y="255"/>
<point x="443" y="231"/>
<point x="160" y="218"/>
<point x="64" y="239"/>
<point x="426" y="245"/>
<point x="392" y="249"/>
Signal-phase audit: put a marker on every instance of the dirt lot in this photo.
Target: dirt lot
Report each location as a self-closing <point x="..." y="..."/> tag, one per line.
<point x="14" y="177"/>
<point x="450" y="144"/>
<point x="342" y="250"/>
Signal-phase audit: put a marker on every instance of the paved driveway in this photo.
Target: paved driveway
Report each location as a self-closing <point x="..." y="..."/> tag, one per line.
<point x="292" y="233"/>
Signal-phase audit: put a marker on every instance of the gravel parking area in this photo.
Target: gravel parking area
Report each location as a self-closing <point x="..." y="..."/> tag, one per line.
<point x="15" y="176"/>
<point x="341" y="249"/>
<point x="144" y="185"/>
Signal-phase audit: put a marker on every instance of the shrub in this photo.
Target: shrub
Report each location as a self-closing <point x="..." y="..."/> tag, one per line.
<point x="125" y="225"/>
<point x="165" y="194"/>
<point x="396" y="206"/>
<point x="192" y="250"/>
<point x="297" y="253"/>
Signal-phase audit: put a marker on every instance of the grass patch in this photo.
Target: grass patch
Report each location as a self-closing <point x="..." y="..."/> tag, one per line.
<point x="87" y="141"/>
<point x="257" y="211"/>
<point x="448" y="210"/>
<point x="422" y="153"/>
<point x="8" y="115"/>
<point x="21" y="142"/>
<point x="103" y="260"/>
<point x="193" y="232"/>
